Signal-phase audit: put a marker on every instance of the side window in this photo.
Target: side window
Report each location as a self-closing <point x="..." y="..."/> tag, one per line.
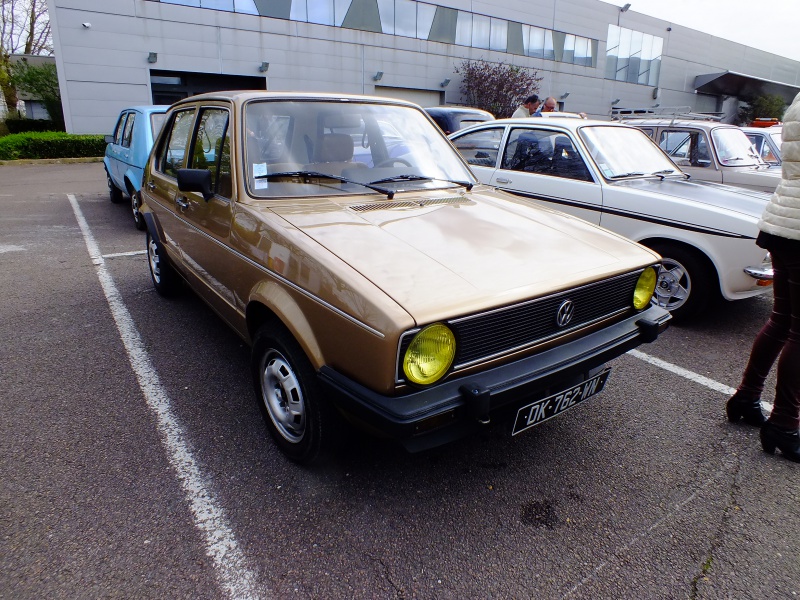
<point x="119" y="128"/>
<point x="529" y="150"/>
<point x="126" y="137"/>
<point x="482" y="147"/>
<point x="174" y="150"/>
<point x="211" y="149"/>
<point x="567" y="162"/>
<point x="688" y="148"/>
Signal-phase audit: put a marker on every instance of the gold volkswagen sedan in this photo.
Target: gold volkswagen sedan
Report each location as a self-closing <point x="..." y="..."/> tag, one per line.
<point x="377" y="282"/>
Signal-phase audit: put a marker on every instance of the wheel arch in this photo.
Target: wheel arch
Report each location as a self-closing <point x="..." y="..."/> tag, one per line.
<point x="700" y="253"/>
<point x="273" y="305"/>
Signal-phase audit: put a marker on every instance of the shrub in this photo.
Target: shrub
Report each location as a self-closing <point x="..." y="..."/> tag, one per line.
<point x="51" y="144"/>
<point x="23" y="125"/>
<point x="497" y="87"/>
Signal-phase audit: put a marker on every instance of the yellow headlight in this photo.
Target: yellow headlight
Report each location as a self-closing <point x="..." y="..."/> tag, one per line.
<point x="644" y="288"/>
<point x="430" y="354"/>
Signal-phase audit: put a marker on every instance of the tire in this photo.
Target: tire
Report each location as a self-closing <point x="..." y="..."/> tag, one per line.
<point x="136" y="205"/>
<point x="165" y="280"/>
<point x="685" y="283"/>
<point x="303" y="425"/>
<point x="114" y="193"/>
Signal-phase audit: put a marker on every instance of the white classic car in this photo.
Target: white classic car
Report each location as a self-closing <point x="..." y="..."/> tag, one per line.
<point x="615" y="176"/>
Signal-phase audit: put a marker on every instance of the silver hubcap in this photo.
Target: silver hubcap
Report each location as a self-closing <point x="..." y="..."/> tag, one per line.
<point x="152" y="255"/>
<point x="674" y="285"/>
<point x="283" y="397"/>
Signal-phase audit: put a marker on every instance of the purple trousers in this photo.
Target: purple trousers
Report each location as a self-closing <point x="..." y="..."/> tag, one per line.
<point x="780" y="336"/>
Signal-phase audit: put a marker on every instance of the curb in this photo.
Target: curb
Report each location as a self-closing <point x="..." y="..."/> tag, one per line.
<point x="51" y="161"/>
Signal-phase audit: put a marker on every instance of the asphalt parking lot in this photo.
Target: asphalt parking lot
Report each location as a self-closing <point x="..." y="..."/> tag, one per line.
<point x="134" y="462"/>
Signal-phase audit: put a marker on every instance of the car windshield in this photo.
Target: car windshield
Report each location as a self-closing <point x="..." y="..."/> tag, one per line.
<point x="734" y="149"/>
<point x="625" y="152"/>
<point x="316" y="148"/>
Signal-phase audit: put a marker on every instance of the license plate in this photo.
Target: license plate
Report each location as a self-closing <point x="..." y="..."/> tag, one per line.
<point x="547" y="408"/>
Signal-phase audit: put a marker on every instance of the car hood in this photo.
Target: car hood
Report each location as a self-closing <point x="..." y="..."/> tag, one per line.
<point x="440" y="254"/>
<point x="745" y="201"/>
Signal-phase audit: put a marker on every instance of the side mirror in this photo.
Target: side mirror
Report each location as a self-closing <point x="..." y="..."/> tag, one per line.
<point x="195" y="180"/>
<point x="109" y="139"/>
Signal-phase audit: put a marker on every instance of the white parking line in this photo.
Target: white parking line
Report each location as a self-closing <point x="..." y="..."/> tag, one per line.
<point x="690" y="375"/>
<point x="132" y="253"/>
<point x="234" y="575"/>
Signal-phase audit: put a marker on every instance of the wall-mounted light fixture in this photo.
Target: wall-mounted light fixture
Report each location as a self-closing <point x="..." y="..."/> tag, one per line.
<point x="656" y="105"/>
<point x="564" y="96"/>
<point x="625" y="8"/>
<point x="615" y="101"/>
<point x="152" y="57"/>
<point x="87" y="25"/>
<point x="264" y="67"/>
<point x="445" y="83"/>
<point x="378" y="76"/>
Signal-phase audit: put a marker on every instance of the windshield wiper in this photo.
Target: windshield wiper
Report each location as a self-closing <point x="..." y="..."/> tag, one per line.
<point x="410" y="177"/>
<point x="631" y="174"/>
<point x="662" y="173"/>
<point x="371" y="186"/>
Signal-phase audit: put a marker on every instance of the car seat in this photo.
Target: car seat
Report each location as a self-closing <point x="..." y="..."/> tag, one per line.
<point x="334" y="153"/>
<point x="528" y="155"/>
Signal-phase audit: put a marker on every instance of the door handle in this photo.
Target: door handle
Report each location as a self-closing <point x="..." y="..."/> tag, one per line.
<point x="182" y="202"/>
<point x="502" y="180"/>
<point x="151" y="186"/>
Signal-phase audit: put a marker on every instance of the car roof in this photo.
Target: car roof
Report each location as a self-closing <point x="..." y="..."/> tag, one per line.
<point x="684" y="123"/>
<point x="241" y="96"/>
<point x="148" y="108"/>
<point x="559" y="119"/>
<point x="458" y="110"/>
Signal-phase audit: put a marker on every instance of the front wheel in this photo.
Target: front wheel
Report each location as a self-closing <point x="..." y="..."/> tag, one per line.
<point x="300" y="421"/>
<point x="685" y="283"/>
<point x="165" y="280"/>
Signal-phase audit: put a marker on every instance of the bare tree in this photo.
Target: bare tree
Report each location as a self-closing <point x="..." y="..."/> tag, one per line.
<point x="497" y="87"/>
<point x="24" y="29"/>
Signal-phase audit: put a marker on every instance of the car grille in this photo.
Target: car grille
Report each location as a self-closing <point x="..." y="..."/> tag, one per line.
<point x="487" y="335"/>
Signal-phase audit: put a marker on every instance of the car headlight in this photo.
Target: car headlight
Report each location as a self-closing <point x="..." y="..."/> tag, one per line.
<point x="430" y="354"/>
<point x="645" y="287"/>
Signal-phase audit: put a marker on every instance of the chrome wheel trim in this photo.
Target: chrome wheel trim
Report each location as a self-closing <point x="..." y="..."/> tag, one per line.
<point x="673" y="286"/>
<point x="283" y="397"/>
<point x="109" y="182"/>
<point x="154" y="260"/>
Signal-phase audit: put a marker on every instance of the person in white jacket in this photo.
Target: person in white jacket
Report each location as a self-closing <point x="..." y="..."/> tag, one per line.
<point x="780" y="337"/>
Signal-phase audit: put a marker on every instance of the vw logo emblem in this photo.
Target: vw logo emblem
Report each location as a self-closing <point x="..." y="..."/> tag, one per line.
<point x="565" y="313"/>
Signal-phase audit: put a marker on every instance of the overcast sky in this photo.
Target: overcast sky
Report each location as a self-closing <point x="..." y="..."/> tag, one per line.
<point x="771" y="25"/>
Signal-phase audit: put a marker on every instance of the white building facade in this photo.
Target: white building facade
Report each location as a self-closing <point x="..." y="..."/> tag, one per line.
<point x="593" y="56"/>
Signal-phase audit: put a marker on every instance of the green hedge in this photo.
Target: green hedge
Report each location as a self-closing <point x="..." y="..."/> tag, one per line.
<point x="51" y="144"/>
<point x="23" y="125"/>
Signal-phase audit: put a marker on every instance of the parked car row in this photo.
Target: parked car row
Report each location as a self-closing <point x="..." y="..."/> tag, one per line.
<point x="394" y="292"/>
<point x="379" y="283"/>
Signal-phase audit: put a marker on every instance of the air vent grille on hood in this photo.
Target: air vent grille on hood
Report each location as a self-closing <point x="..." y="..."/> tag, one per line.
<point x="411" y="204"/>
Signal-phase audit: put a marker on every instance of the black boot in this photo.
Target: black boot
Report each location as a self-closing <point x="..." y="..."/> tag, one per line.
<point x="748" y="409"/>
<point x="788" y="441"/>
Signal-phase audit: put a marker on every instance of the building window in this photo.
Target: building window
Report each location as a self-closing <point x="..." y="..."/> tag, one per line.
<point x="409" y="18"/>
<point x="633" y="56"/>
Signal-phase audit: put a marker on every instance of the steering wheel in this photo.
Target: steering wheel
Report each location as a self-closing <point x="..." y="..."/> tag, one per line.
<point x="392" y="161"/>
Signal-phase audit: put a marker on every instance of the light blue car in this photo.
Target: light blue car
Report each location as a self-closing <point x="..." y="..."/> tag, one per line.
<point x="127" y="152"/>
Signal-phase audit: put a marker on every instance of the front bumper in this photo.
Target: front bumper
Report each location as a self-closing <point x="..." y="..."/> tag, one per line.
<point x="442" y="413"/>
